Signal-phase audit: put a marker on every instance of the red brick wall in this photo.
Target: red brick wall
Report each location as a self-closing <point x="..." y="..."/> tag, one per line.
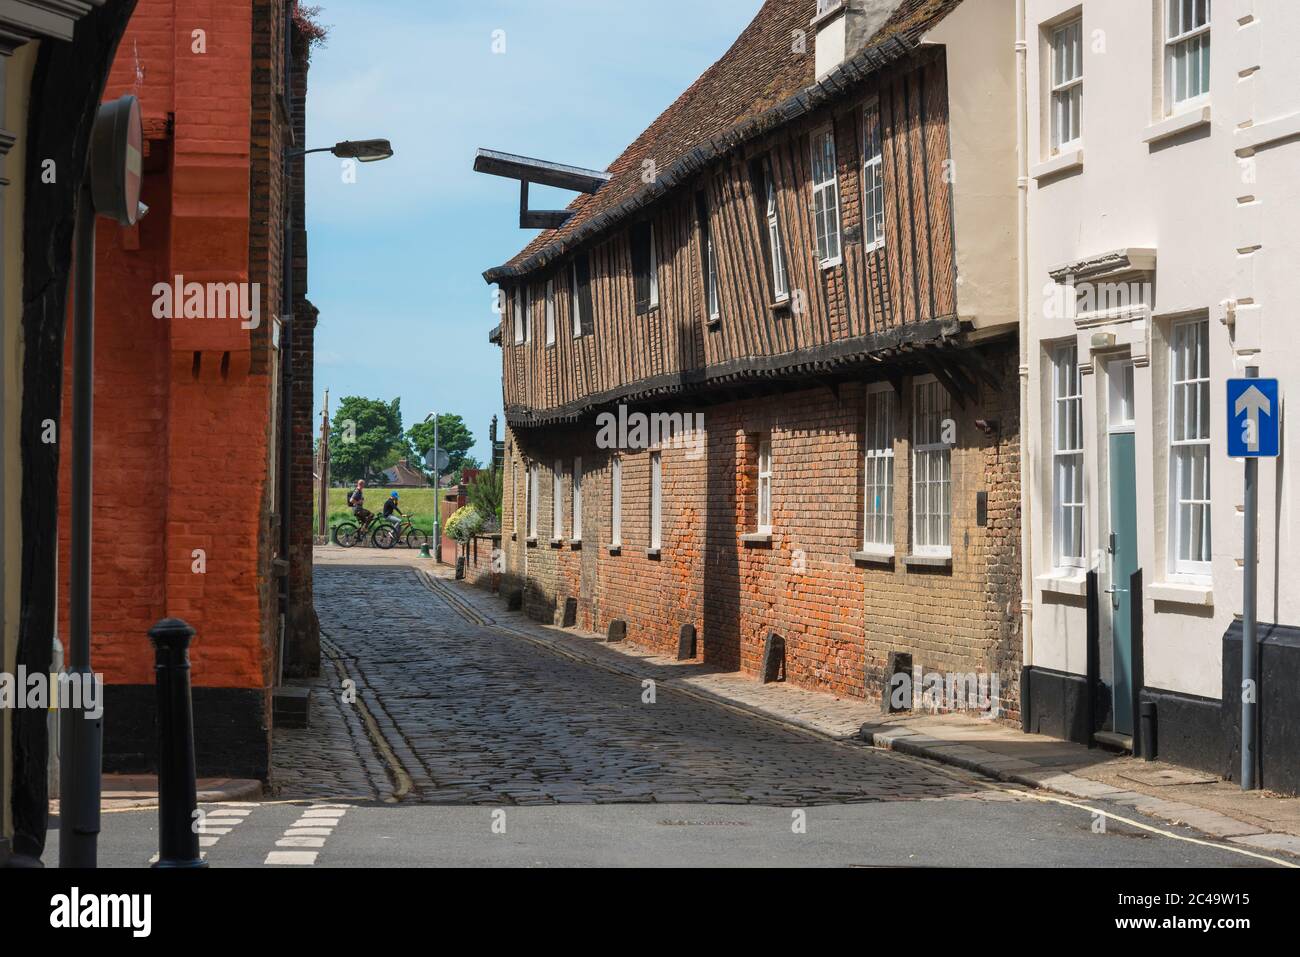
<point x="181" y="450"/>
<point x="840" y="619"/>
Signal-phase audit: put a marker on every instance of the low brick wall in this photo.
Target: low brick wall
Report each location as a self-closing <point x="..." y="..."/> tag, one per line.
<point x="479" y="569"/>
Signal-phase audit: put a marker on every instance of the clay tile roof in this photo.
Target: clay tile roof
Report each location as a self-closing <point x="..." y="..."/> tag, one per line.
<point x="757" y="79"/>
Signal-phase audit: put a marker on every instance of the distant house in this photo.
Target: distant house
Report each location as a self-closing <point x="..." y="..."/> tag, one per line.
<point x="404" y="475"/>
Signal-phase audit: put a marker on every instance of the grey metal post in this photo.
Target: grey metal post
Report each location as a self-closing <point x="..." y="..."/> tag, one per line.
<point x="437" y="497"/>
<point x="81" y="738"/>
<point x="1250" y="625"/>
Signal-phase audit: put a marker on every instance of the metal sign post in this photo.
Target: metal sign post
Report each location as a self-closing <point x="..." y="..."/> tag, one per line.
<point x="111" y="189"/>
<point x="1253" y="415"/>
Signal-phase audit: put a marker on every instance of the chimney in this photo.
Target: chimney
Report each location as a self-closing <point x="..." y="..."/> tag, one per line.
<point x="845" y="27"/>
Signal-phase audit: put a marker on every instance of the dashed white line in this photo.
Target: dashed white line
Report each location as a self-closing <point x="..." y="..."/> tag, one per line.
<point x="311" y="830"/>
<point x="215" y="823"/>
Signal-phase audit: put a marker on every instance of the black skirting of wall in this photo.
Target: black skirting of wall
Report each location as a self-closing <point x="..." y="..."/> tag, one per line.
<point x="231" y="737"/>
<point x="1057" y="704"/>
<point x="1196" y="732"/>
<point x="1189" y="730"/>
<point x="1279" y="705"/>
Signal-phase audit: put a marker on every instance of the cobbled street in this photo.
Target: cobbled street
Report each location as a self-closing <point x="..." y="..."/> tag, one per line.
<point x="448" y="731"/>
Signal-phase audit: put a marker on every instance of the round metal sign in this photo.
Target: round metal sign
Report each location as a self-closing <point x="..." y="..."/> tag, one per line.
<point x="117" y="160"/>
<point x="442" y="463"/>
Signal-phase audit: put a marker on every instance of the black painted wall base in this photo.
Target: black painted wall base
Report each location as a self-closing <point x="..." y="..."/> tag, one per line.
<point x="231" y="731"/>
<point x="1279" y="705"/>
<point x="1192" y="731"/>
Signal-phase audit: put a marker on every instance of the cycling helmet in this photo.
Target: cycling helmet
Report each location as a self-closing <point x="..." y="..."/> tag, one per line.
<point x="392" y="495"/>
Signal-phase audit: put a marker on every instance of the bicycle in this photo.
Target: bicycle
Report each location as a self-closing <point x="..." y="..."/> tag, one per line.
<point x="347" y="534"/>
<point x="388" y="535"/>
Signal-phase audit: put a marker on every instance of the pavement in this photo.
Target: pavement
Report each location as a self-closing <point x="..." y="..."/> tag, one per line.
<point x="122" y="792"/>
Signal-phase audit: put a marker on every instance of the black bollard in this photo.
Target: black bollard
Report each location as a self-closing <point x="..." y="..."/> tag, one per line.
<point x="178" y="837"/>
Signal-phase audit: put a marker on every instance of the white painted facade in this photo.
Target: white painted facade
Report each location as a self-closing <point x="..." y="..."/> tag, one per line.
<point x="1196" y="203"/>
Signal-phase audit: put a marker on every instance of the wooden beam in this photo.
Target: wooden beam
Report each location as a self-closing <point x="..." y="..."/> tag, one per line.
<point x="512" y="166"/>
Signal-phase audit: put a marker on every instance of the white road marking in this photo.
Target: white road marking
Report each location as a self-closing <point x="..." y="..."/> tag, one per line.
<point x="216" y="822"/>
<point x="312" y="829"/>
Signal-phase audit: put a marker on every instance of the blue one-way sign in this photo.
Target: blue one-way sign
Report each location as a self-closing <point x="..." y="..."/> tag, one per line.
<point x="1254" y="414"/>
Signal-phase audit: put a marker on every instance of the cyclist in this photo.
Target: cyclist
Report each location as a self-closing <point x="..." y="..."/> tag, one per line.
<point x="356" y="502"/>
<point x="390" y="507"/>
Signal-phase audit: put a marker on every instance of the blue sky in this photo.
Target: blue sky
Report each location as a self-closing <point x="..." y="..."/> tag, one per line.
<point x="396" y="258"/>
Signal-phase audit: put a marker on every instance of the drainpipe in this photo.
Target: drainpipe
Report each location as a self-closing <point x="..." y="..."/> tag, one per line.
<point x="1026" y="433"/>
<point x="286" y="347"/>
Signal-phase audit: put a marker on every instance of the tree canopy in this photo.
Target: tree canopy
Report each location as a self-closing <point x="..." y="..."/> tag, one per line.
<point x="454" y="438"/>
<point x="363" y="436"/>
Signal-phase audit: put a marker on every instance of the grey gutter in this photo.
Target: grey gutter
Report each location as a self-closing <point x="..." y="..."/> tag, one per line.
<point x="843" y="79"/>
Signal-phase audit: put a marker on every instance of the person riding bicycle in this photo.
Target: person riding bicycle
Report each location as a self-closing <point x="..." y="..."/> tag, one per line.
<point x="356" y="502"/>
<point x="390" y="507"/>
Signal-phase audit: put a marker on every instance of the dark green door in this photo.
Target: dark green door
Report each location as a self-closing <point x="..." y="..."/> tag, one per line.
<point x="1124" y="562"/>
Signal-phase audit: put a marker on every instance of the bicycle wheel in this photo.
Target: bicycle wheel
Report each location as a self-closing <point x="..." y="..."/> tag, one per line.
<point x="345" y="534"/>
<point x="385" y="536"/>
<point x="416" y="539"/>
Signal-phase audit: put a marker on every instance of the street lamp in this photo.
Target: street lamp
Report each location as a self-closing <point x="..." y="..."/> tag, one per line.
<point x="437" y="505"/>
<point x="363" y="151"/>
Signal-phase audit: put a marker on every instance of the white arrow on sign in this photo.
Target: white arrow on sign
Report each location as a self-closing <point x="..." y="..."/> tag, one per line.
<point x="1252" y="402"/>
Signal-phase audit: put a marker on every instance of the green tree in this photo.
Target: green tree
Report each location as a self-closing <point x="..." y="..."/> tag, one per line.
<point x="363" y="435"/>
<point x="454" y="438"/>
<point x="468" y="464"/>
<point x="485" y="493"/>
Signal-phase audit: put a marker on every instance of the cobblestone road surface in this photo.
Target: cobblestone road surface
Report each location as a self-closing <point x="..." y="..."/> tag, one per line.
<point x="473" y="715"/>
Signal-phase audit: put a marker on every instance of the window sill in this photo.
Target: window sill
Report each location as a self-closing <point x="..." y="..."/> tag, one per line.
<point x="831" y="263"/>
<point x="1181" y="593"/>
<point x="557" y="543"/>
<point x="652" y="553"/>
<point x="757" y="538"/>
<point x="713" y="324"/>
<point x="514" y="536"/>
<point x="576" y="545"/>
<point x="874" y="557"/>
<point x="1252" y="138"/>
<point x="531" y="541"/>
<point x="1179" y="123"/>
<point x="1067" y="162"/>
<point x="614" y="549"/>
<point x="780" y="305"/>
<point x="874" y="246"/>
<point x="1064" y="582"/>
<point x="928" y="561"/>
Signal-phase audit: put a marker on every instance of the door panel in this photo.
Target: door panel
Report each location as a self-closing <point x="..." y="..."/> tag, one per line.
<point x="1124" y="562"/>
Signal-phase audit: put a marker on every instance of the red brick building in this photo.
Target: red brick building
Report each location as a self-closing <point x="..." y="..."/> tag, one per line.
<point x="190" y="378"/>
<point x="797" y="268"/>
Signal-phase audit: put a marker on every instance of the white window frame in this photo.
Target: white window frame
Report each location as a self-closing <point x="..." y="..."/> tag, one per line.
<point x="763" y="511"/>
<point x="656" y="500"/>
<point x="780" y="270"/>
<point x="576" y="294"/>
<point x="576" y="521"/>
<point x="557" y="501"/>
<point x="514" y="497"/>
<point x="531" y="493"/>
<point x="931" y="469"/>
<point x="711" y="277"/>
<point x="1179" y="37"/>
<point x="550" y="312"/>
<point x="528" y="314"/>
<point x="520" y="322"/>
<point x="873" y="177"/>
<point x="1069" y="529"/>
<point x="878" y="470"/>
<point x="826" y="211"/>
<point x="1066" y="85"/>
<point x="1189" y="445"/>
<point x="654" y="270"/>
<point x="616" y="502"/>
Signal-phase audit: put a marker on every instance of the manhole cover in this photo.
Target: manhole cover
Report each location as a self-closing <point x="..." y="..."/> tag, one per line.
<point x="1168" y="777"/>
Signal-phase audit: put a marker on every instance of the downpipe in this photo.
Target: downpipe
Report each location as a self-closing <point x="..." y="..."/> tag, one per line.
<point x="1026" y="437"/>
